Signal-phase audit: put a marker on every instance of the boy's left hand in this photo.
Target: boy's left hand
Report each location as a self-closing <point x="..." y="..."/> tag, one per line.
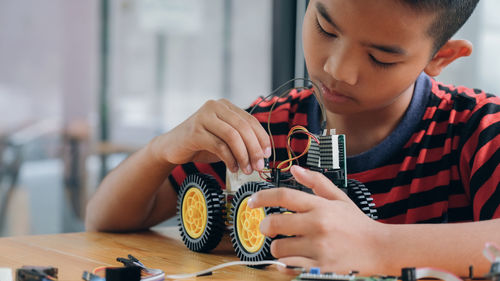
<point x="329" y="231"/>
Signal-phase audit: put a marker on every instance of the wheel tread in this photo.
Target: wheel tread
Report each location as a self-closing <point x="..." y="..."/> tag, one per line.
<point x="358" y="192"/>
<point x="265" y="252"/>
<point x="214" y="199"/>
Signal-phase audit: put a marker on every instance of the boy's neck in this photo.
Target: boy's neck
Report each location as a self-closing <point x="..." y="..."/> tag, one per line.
<point x="367" y="129"/>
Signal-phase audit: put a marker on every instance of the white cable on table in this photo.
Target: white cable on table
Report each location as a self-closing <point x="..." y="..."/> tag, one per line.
<point x="211" y="269"/>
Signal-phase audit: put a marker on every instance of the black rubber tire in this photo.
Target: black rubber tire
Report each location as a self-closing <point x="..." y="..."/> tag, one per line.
<point x="264" y="253"/>
<point x="215" y="205"/>
<point x="360" y="195"/>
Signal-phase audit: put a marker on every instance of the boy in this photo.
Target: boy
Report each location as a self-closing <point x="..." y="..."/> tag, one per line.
<point x="427" y="152"/>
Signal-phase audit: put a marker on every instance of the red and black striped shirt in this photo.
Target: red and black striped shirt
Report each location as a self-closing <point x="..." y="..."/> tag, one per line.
<point x="439" y="165"/>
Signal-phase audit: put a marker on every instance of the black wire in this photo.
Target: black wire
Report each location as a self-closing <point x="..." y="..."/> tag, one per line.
<point x="282" y="94"/>
<point x="317" y="92"/>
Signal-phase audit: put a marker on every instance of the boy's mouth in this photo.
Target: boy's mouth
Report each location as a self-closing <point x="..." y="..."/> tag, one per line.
<point x="334" y="96"/>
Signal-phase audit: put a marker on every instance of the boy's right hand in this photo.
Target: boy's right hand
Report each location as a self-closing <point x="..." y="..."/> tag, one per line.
<point x="218" y="131"/>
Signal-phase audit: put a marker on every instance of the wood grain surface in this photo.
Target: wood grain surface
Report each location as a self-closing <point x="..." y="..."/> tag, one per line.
<point x="72" y="253"/>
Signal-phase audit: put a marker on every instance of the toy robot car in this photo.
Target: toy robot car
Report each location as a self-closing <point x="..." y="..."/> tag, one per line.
<point x="205" y="211"/>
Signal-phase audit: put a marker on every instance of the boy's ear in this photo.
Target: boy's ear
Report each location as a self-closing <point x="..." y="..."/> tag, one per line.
<point x="452" y="50"/>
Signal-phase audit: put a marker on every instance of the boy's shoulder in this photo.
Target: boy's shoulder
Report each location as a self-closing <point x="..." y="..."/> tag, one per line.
<point x="461" y="98"/>
<point x="468" y="113"/>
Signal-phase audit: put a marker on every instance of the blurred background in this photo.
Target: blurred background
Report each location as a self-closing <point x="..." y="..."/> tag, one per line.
<point x="85" y="83"/>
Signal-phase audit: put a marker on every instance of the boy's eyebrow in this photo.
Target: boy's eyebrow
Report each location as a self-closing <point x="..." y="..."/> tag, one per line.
<point x="322" y="11"/>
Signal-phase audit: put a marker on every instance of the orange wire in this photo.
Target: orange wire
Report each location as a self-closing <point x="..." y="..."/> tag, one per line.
<point x="97" y="269"/>
<point x="290" y="158"/>
<point x="293" y="130"/>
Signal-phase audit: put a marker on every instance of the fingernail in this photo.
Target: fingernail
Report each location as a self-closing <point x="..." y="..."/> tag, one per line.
<point x="298" y="169"/>
<point x="248" y="169"/>
<point x="263" y="226"/>
<point x="267" y="152"/>
<point x="250" y="202"/>
<point x="260" y="165"/>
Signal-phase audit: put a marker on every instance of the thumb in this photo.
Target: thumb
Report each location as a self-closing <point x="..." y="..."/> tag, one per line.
<point x="320" y="184"/>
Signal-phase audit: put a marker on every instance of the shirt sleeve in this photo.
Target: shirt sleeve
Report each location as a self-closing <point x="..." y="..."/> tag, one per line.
<point x="480" y="158"/>
<point x="216" y="170"/>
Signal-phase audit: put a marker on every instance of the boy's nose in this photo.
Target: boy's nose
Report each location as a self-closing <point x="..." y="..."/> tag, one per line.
<point x="342" y="66"/>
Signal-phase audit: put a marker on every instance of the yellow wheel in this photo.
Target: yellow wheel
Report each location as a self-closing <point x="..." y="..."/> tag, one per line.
<point x="248" y="242"/>
<point x="200" y="209"/>
<point x="194" y="209"/>
<point x="248" y="223"/>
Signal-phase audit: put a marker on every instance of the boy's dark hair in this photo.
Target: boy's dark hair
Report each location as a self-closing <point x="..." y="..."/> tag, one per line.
<point x="450" y="16"/>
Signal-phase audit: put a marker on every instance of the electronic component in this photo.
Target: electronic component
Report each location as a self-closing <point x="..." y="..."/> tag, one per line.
<point x="329" y="154"/>
<point x="409" y="274"/>
<point x="146" y="273"/>
<point x="36" y="273"/>
<point x="315" y="274"/>
<point x="129" y="273"/>
<point x="133" y="270"/>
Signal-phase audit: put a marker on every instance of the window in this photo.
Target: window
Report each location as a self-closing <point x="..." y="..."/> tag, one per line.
<point x="169" y="57"/>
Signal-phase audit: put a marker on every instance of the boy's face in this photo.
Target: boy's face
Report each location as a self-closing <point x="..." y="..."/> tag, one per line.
<point x="365" y="54"/>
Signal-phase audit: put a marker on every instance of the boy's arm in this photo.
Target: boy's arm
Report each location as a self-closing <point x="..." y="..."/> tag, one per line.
<point x="453" y="246"/>
<point x="330" y="232"/>
<point x="138" y="193"/>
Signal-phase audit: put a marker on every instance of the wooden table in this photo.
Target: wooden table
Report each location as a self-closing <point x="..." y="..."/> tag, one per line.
<point x="72" y="253"/>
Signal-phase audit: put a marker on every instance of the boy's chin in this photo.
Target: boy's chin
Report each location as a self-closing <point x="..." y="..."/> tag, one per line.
<point x="341" y="109"/>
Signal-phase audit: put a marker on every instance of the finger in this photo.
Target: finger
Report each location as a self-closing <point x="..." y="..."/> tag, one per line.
<point x="320" y="184"/>
<point x="285" y="224"/>
<point x="292" y="246"/>
<point x="234" y="141"/>
<point x="294" y="200"/>
<point x="260" y="132"/>
<point x="298" y="262"/>
<point x="218" y="147"/>
<point x="248" y="134"/>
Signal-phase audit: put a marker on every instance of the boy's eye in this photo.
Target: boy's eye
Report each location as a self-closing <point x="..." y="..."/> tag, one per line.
<point x="381" y="64"/>
<point x="322" y="31"/>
